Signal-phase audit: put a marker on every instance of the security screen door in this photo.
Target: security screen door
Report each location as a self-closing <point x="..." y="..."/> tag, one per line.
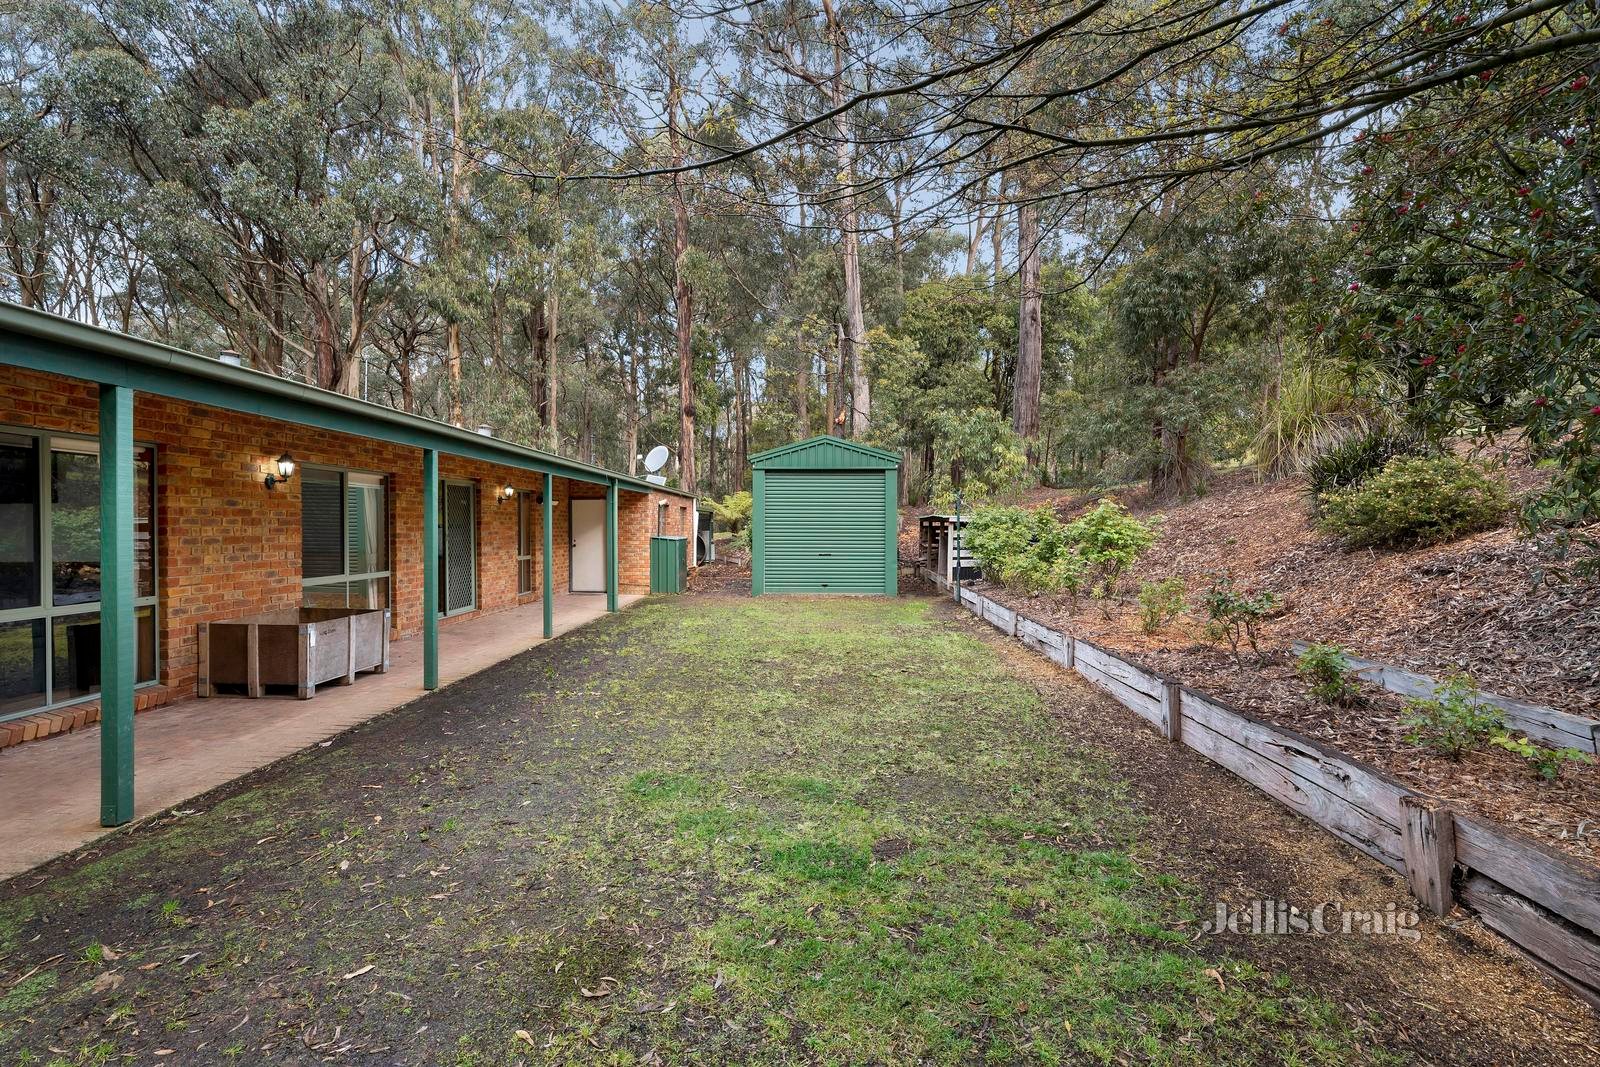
<point x="458" y="584"/>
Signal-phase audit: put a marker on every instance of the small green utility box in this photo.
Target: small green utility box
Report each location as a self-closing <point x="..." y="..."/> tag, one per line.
<point x="669" y="564"/>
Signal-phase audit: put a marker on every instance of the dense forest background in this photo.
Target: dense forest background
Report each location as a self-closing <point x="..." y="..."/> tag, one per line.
<point x="1018" y="242"/>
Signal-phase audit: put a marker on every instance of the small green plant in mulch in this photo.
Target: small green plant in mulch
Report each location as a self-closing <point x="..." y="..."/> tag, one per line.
<point x="1455" y="720"/>
<point x="1547" y="763"/>
<point x="1327" y="668"/>
<point x="1160" y="603"/>
<point x="1236" y="615"/>
<point x="1416" y="501"/>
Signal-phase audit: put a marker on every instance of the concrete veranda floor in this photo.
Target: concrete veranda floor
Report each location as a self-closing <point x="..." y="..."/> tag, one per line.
<point x="50" y="790"/>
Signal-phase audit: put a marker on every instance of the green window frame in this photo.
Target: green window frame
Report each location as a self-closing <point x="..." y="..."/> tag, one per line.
<point x="350" y="553"/>
<point x="49" y="649"/>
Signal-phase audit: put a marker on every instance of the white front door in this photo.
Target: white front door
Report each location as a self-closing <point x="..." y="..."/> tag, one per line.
<point x="588" y="546"/>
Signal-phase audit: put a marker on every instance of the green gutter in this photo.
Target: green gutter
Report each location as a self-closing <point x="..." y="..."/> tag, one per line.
<point x="40" y="341"/>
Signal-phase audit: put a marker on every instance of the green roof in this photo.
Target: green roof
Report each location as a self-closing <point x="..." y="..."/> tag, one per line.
<point x="40" y="341"/>
<point x="825" y="453"/>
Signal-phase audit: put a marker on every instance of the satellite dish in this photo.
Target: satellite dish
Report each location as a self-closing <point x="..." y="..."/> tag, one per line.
<point x="657" y="458"/>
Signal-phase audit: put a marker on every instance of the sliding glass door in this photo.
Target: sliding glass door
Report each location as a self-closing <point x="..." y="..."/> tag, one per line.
<point x="50" y="569"/>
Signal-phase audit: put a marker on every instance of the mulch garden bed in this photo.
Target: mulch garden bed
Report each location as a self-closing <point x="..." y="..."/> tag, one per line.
<point x="1494" y="606"/>
<point x="1491" y="782"/>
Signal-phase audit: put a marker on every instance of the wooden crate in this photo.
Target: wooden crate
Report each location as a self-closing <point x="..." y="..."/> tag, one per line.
<point x="300" y="648"/>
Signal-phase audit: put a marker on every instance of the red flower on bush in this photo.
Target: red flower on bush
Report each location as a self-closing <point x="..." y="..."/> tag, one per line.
<point x="1580" y="82"/>
<point x="1428" y="361"/>
<point x="1520" y="319"/>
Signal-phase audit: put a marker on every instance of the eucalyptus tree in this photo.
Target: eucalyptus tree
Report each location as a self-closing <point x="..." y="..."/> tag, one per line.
<point x="657" y="86"/>
<point x="261" y="145"/>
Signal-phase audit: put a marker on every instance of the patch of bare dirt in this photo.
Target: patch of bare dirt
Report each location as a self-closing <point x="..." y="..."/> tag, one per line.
<point x="728" y="575"/>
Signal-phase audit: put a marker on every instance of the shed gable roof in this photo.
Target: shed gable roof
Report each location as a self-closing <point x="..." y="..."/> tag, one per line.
<point x="825" y="453"/>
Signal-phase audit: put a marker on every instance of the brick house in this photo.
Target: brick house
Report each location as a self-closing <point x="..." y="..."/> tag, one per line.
<point x="141" y="495"/>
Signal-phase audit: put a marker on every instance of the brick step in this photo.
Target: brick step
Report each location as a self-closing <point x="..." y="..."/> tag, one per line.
<point x="43" y="724"/>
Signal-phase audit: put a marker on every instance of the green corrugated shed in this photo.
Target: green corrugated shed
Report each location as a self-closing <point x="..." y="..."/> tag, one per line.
<point x="825" y="518"/>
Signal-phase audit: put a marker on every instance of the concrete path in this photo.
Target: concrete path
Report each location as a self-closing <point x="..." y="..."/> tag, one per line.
<point x="50" y="789"/>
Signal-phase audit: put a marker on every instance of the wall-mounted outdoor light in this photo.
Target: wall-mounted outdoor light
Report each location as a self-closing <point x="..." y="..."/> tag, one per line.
<point x="285" y="470"/>
<point x="506" y="493"/>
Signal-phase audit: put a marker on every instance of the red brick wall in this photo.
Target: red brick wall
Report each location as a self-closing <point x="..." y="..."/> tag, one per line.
<point x="228" y="546"/>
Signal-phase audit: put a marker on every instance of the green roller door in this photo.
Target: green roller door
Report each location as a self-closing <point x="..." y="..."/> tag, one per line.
<point x="824" y="531"/>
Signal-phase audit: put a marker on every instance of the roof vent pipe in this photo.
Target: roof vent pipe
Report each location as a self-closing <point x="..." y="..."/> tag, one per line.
<point x="485" y="429"/>
<point x="230" y="357"/>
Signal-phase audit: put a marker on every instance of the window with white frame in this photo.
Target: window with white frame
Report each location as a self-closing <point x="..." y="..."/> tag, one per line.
<point x="344" y="539"/>
<point x="525" y="502"/>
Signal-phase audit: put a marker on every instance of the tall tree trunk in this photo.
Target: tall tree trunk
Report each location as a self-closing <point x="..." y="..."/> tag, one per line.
<point x="325" y="369"/>
<point x="452" y="347"/>
<point x="855" y="324"/>
<point x="1025" y="385"/>
<point x="631" y="356"/>
<point x="408" y="395"/>
<point x="997" y="232"/>
<point x="975" y="240"/>
<point x="802" y="385"/>
<point x="841" y="418"/>
<point x="683" y="306"/>
<point x="459" y="190"/>
<point x="1176" y="470"/>
<point x="831" y="385"/>
<point x="550" y="366"/>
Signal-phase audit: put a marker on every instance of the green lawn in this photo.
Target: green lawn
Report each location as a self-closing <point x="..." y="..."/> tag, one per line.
<point x="707" y="830"/>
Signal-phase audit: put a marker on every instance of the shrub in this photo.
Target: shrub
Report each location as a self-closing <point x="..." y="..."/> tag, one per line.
<point x="1416" y="501"/>
<point x="1159" y="603"/>
<point x="1066" y="575"/>
<point x="1110" y="541"/>
<point x="1328" y="670"/>
<point x="997" y="534"/>
<point x="1237" y="616"/>
<point x="1026" y="549"/>
<point x="1547" y="762"/>
<point x="1453" y="720"/>
<point x="733" y="510"/>
<point x="1352" y="461"/>
<point x="1312" y="407"/>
